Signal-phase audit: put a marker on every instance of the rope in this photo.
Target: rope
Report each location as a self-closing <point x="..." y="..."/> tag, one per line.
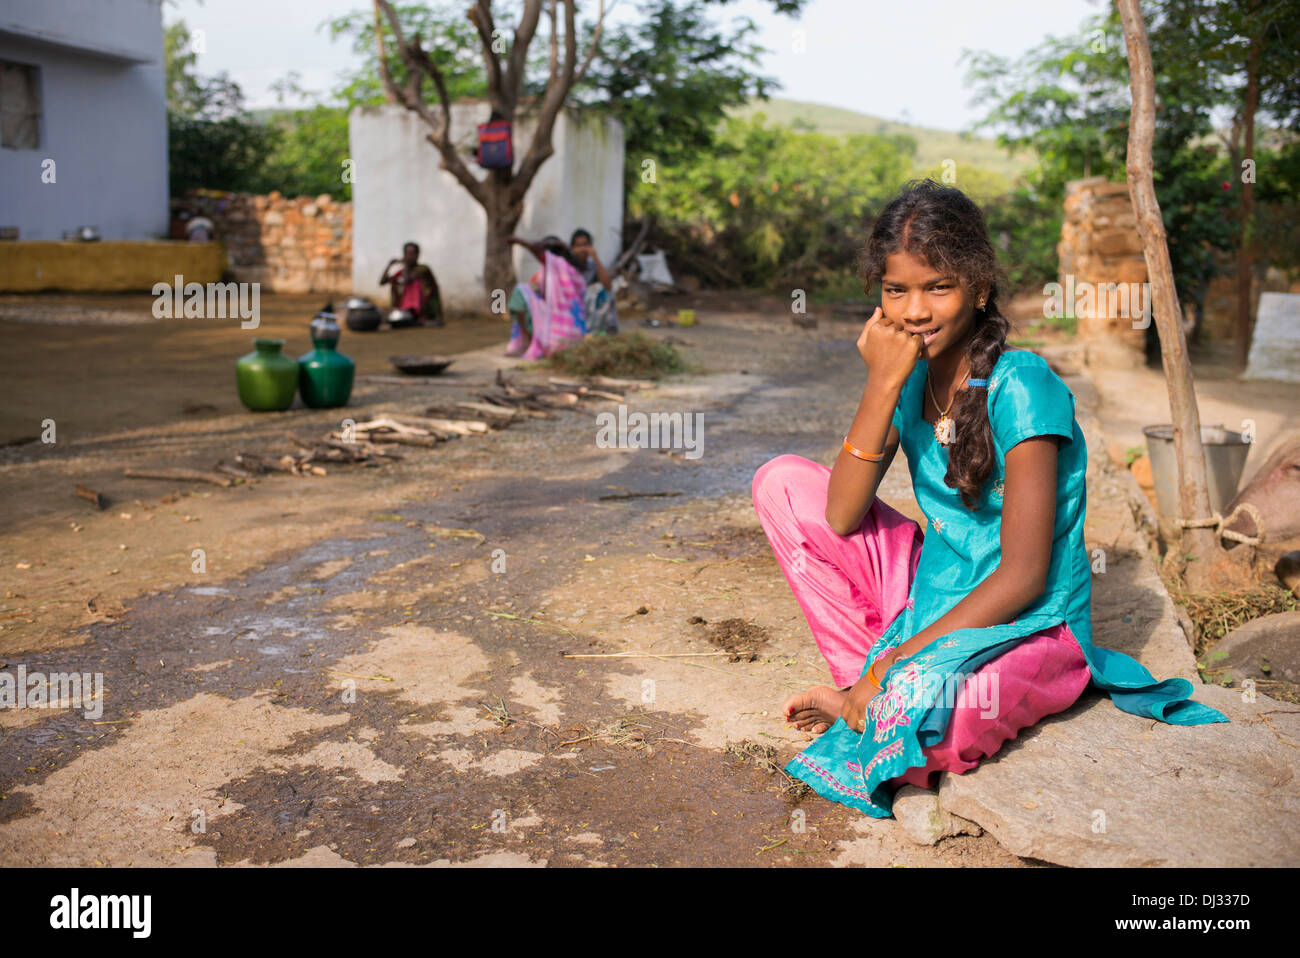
<point x="1220" y="524"/>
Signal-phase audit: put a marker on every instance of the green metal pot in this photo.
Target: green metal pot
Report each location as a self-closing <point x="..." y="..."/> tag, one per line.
<point x="266" y="378"/>
<point x="325" y="375"/>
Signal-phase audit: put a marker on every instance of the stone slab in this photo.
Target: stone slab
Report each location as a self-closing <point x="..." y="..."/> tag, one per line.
<point x="1275" y="343"/>
<point x="1095" y="786"/>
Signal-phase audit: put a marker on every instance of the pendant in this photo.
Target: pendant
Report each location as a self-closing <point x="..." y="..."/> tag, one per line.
<point x="943" y="431"/>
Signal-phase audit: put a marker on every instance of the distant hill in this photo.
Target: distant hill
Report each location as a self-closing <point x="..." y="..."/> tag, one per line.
<point x="932" y="146"/>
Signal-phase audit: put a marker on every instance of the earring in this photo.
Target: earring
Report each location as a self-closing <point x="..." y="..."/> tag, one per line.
<point x="981" y="304"/>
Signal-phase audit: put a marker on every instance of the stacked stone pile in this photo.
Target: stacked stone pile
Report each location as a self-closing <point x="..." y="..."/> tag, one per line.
<point x="299" y="245"/>
<point x="1100" y="245"/>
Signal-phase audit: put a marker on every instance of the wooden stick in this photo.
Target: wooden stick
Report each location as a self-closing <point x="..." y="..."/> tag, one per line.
<point x="412" y="380"/>
<point x="404" y="439"/>
<point x="96" y="497"/>
<point x="463" y="427"/>
<point x="233" y="471"/>
<point x="487" y="409"/>
<point x="180" y="475"/>
<point x="613" y="383"/>
<point x="639" y="495"/>
<point x="651" y="655"/>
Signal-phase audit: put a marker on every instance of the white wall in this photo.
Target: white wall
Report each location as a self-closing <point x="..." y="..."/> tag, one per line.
<point x="400" y="192"/>
<point x="104" y="120"/>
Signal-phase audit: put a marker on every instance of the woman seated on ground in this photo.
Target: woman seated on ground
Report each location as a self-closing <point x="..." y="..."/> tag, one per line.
<point x="414" y="286"/>
<point x="602" y="314"/>
<point x="548" y="311"/>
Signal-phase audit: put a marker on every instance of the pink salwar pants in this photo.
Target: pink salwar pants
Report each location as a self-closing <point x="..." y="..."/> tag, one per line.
<point x="850" y="589"/>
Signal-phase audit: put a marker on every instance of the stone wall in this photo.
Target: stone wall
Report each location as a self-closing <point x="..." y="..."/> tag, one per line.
<point x="1100" y="246"/>
<point x="300" y="245"/>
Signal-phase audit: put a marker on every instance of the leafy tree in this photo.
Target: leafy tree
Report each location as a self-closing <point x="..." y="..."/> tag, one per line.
<point x="424" y="59"/>
<point x="670" y="76"/>
<point x="212" y="141"/>
<point x="309" y="146"/>
<point x="447" y="35"/>
<point x="1068" y="99"/>
<point x="773" y="207"/>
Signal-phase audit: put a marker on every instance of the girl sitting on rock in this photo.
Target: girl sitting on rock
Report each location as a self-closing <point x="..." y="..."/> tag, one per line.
<point x="942" y="647"/>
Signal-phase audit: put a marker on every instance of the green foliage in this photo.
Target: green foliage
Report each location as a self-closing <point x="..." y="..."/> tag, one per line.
<point x="1069" y="100"/>
<point x="670" y="75"/>
<point x="772" y="207"/>
<point x="310" y="145"/>
<point x="445" y="33"/>
<point x="973" y="155"/>
<point x="1025" y="228"/>
<point x="213" y="142"/>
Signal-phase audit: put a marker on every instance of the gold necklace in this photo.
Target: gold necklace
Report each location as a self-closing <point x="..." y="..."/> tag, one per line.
<point x="943" y="425"/>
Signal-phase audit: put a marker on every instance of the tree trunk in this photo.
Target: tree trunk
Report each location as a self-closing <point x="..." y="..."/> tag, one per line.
<point x="502" y="220"/>
<point x="1207" y="566"/>
<point x="1246" y="243"/>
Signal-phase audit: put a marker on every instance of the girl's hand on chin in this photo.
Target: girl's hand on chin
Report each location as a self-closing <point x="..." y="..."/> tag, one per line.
<point x="889" y="351"/>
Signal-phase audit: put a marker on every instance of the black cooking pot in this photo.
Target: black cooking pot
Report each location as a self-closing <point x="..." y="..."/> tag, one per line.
<point x="362" y="316"/>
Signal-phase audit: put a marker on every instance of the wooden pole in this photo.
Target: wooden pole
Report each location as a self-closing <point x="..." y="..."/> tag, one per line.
<point x="1200" y="543"/>
<point x="1246" y="242"/>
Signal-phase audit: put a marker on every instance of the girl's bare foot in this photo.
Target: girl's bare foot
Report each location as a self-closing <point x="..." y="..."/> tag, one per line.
<point x="814" y="710"/>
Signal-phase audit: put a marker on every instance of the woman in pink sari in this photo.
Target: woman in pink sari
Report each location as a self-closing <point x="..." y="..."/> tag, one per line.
<point x="548" y="310"/>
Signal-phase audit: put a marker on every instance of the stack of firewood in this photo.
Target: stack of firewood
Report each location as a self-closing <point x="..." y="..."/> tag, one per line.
<point x="410" y="430"/>
<point x="507" y="401"/>
<point x="367" y="443"/>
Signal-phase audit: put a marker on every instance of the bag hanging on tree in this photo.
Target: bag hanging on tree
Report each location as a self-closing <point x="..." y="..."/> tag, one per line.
<point x="495" y="149"/>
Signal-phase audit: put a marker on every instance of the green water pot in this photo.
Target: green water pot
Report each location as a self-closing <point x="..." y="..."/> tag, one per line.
<point x="325" y="375"/>
<point x="267" y="379"/>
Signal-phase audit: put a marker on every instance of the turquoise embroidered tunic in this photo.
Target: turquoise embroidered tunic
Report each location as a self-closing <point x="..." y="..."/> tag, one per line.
<point x="961" y="548"/>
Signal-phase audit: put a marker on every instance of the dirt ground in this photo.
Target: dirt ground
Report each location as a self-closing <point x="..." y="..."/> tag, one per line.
<point x="347" y="683"/>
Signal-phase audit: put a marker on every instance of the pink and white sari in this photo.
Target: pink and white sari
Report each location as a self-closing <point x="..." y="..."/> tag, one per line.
<point x="556" y="314"/>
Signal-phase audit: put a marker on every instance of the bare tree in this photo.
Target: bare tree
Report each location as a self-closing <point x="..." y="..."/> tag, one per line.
<point x="501" y="192"/>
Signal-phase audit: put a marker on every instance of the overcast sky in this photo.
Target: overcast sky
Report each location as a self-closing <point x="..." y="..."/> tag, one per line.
<point x="896" y="59"/>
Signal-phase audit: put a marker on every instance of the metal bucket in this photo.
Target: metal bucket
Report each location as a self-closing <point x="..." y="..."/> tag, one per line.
<point x="1225" y="459"/>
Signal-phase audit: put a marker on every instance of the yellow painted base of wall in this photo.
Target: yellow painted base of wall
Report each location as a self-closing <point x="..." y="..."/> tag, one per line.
<point x="106" y="266"/>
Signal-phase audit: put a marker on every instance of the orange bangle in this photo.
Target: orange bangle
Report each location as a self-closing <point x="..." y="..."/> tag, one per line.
<point x="857" y="453"/>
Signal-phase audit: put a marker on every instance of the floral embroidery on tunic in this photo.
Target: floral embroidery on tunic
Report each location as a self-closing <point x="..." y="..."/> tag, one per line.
<point x="998" y="488"/>
<point x="888" y="709"/>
